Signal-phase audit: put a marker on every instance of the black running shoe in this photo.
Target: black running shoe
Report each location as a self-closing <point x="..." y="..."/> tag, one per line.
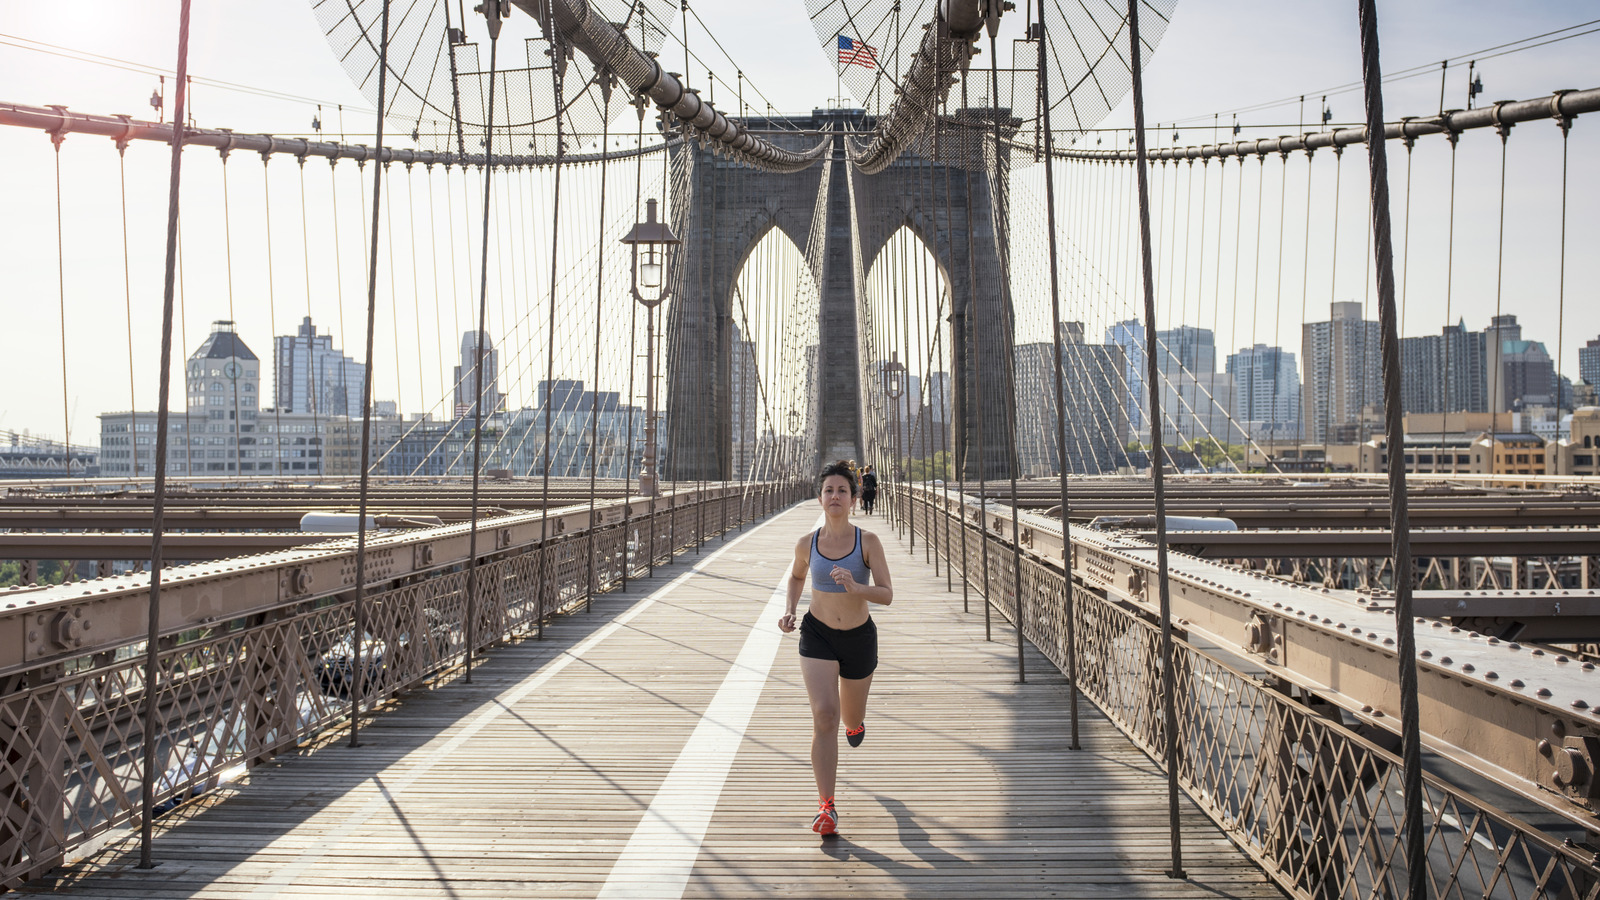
<point x="856" y="735"/>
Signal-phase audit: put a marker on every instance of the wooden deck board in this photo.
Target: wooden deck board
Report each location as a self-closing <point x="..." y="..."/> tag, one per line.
<point x="964" y="787"/>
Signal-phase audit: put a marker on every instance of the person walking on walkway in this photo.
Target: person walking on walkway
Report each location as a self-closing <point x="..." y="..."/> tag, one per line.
<point x="838" y="639"/>
<point x="869" y="490"/>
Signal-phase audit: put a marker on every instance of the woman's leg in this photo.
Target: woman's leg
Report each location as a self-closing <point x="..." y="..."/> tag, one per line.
<point x="822" y="687"/>
<point x="853" y="701"/>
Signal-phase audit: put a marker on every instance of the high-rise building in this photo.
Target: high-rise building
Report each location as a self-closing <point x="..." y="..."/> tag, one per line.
<point x="1589" y="362"/>
<point x="1097" y="429"/>
<point x="1521" y="373"/>
<point x="1444" y="372"/>
<point x="312" y="376"/>
<point x="1266" y="392"/>
<point x="931" y="433"/>
<point x="1129" y="336"/>
<point x="743" y="405"/>
<point x="1342" y="366"/>
<point x="466" y="376"/>
<point x="1196" y="400"/>
<point x="1187" y="349"/>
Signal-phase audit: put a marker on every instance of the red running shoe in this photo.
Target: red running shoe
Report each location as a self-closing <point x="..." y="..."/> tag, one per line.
<point x="827" y="820"/>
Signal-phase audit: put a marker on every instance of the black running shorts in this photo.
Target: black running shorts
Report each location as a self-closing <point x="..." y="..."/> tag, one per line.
<point x="856" y="649"/>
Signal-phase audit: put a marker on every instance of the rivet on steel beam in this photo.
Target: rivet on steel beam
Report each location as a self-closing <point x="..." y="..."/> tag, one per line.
<point x="1580" y="704"/>
<point x="1341" y="625"/>
<point x="1445" y="660"/>
<point x="1491" y="675"/>
<point x="1388" y="642"/>
<point x="1538" y="652"/>
<point x="1438" y="624"/>
<point x="1454" y="630"/>
<point x="1472" y="634"/>
<point x="1543" y="692"/>
<point x="1513" y="645"/>
<point x="1517" y="683"/>
<point x="1366" y="708"/>
<point x="1494" y="640"/>
<point x="1426" y="654"/>
<point x="1588" y="667"/>
<point x="1468" y="667"/>
<point x="1562" y="659"/>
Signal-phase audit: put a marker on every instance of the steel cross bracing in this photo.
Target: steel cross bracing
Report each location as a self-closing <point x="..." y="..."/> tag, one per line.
<point x="256" y="650"/>
<point x="1488" y="704"/>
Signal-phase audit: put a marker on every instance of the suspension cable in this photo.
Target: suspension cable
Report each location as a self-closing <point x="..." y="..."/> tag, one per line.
<point x="1168" y="679"/>
<point x="1399" y="514"/>
<point x="152" y="647"/>
<point x="492" y="13"/>
<point x="357" y="639"/>
<point x="1069" y="597"/>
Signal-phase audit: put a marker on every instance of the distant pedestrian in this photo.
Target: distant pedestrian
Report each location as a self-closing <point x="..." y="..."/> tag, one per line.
<point x="838" y="639"/>
<point x="869" y="490"/>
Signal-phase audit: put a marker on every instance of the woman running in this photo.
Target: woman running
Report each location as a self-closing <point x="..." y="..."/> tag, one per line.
<point x="838" y="639"/>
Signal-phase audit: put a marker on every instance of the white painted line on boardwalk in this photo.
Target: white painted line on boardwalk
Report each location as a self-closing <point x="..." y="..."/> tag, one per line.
<point x="390" y="792"/>
<point x="660" y="856"/>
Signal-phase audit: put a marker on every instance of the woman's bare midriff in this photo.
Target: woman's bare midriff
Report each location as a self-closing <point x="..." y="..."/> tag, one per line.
<point x="839" y="611"/>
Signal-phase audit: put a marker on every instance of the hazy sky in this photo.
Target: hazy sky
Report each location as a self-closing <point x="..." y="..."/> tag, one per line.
<point x="1217" y="56"/>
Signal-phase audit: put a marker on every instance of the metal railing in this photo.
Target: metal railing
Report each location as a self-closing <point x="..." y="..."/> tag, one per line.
<point x="236" y="692"/>
<point x="1315" y="803"/>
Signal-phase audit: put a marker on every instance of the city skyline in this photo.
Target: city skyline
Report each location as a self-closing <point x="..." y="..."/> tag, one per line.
<point x="242" y="44"/>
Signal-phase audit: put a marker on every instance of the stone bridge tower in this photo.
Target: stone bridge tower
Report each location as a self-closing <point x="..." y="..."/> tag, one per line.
<point x="732" y="209"/>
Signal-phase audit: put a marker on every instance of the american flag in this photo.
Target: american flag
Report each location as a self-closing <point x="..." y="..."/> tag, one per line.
<point x="857" y="53"/>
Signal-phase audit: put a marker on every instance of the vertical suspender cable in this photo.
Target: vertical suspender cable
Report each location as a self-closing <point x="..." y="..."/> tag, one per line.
<point x="492" y="13"/>
<point x="227" y="243"/>
<point x="1399" y="514"/>
<point x="1497" y="371"/>
<point x="1061" y="409"/>
<point x="1002" y="250"/>
<point x="594" y="391"/>
<point x="1445" y="377"/>
<point x="358" y="679"/>
<point x="974" y="399"/>
<point x="557" y="63"/>
<point x="1561" y="278"/>
<point x="127" y="295"/>
<point x="61" y="289"/>
<point x="164" y="391"/>
<point x="1168" y="698"/>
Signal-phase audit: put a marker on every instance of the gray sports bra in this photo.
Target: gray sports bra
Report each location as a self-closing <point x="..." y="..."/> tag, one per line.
<point x="854" y="562"/>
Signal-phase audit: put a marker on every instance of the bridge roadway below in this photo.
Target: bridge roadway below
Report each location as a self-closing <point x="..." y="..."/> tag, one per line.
<point x="657" y="746"/>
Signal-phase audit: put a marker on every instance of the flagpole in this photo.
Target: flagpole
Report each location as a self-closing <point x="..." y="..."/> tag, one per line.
<point x="838" y="69"/>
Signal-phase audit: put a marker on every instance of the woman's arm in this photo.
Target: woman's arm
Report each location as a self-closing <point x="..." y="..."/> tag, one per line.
<point x="797" y="581"/>
<point x="880" y="590"/>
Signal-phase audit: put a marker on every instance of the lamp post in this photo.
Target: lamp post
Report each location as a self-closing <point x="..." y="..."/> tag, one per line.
<point x="649" y="271"/>
<point x="894" y="384"/>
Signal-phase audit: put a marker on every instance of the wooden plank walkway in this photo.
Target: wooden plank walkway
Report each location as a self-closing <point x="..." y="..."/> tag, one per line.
<point x="644" y="749"/>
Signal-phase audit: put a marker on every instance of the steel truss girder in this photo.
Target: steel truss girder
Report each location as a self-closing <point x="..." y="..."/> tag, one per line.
<point x="61" y="622"/>
<point x="1486" y="704"/>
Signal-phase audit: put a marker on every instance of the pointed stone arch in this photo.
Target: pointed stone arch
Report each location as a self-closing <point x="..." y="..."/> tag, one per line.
<point x="731" y="207"/>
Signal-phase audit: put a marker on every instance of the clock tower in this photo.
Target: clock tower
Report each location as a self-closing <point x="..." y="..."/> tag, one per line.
<point x="224" y="377"/>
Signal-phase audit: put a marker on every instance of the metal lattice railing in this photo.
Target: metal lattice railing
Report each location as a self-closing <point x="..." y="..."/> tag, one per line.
<point x="1314" y="803"/>
<point x="238" y="692"/>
